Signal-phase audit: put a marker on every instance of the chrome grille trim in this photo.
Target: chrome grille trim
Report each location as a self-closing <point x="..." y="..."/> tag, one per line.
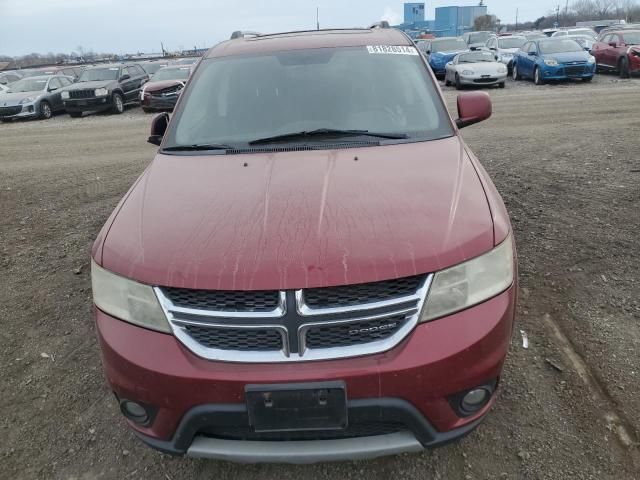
<point x="304" y="319"/>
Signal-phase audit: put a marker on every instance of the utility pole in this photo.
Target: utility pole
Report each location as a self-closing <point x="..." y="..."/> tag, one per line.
<point x="566" y="12"/>
<point x="558" y="15"/>
<point x="516" y="19"/>
<point x="317" y="18"/>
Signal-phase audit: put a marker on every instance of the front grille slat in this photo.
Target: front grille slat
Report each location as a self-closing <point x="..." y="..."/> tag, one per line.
<point x="356" y="333"/>
<point x="235" y="338"/>
<point x="231" y="301"/>
<point x="351" y="295"/>
<point x="8" y="111"/>
<point x="82" y="93"/>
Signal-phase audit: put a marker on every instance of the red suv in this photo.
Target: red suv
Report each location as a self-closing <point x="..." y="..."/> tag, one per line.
<point x="314" y="266"/>
<point x="618" y="51"/>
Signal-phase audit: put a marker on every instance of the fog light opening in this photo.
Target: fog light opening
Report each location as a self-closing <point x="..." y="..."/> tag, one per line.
<point x="134" y="411"/>
<point x="475" y="400"/>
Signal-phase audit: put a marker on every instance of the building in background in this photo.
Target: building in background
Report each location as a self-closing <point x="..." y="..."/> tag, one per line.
<point x="414" y="23"/>
<point x="414" y="12"/>
<point x="455" y="21"/>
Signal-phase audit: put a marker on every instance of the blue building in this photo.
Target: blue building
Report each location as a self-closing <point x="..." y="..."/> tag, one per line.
<point x="413" y="12"/>
<point x="455" y="21"/>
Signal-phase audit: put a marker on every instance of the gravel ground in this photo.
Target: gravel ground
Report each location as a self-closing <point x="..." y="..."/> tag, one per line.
<point x="563" y="156"/>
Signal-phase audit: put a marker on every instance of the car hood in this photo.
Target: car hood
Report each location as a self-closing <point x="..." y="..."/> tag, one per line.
<point x="300" y="219"/>
<point x="161" y="85"/>
<point x="90" y="85"/>
<point x="565" y="57"/>
<point x="480" y="67"/>
<point x="10" y="99"/>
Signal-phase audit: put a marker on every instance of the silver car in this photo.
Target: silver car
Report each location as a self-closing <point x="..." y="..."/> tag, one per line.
<point x="478" y="68"/>
<point x="33" y="97"/>
<point x="504" y="48"/>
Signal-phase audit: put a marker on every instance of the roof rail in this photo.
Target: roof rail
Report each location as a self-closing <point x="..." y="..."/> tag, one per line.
<point x="381" y="24"/>
<point x="242" y="34"/>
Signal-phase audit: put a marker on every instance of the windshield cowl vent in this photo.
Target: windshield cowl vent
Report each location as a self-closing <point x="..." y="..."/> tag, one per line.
<point x="300" y="148"/>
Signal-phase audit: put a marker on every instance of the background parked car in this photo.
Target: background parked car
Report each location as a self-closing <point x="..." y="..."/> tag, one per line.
<point x="186" y="61"/>
<point x="441" y="51"/>
<point x="163" y="89"/>
<point x="478" y="68"/>
<point x="575" y="31"/>
<point x="105" y="87"/>
<point x="33" y="97"/>
<point x="10" y="76"/>
<point x="152" y="66"/>
<point x="553" y="59"/>
<point x="476" y="40"/>
<point x="3" y="89"/>
<point x="68" y="71"/>
<point x="585" y="41"/>
<point x="618" y="51"/>
<point x="505" y="47"/>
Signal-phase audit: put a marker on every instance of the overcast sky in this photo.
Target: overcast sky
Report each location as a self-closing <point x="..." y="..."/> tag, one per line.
<point x="121" y="26"/>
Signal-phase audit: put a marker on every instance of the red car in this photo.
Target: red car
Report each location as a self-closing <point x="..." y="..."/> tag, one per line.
<point x="163" y="89"/>
<point x="315" y="266"/>
<point x="618" y="51"/>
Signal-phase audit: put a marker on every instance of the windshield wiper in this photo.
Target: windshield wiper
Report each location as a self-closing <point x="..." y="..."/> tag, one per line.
<point x="328" y="131"/>
<point x="198" y="146"/>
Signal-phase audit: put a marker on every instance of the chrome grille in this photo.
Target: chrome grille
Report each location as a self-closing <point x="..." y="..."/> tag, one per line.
<point x="301" y="325"/>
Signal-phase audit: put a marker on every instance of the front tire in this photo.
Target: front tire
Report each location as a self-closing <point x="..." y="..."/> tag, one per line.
<point x="118" y="103"/>
<point x="515" y="74"/>
<point x="624" y="67"/>
<point x="458" y="83"/>
<point x="45" y="110"/>
<point x="537" y="78"/>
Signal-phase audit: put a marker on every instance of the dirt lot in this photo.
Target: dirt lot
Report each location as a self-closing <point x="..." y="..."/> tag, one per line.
<point x="565" y="158"/>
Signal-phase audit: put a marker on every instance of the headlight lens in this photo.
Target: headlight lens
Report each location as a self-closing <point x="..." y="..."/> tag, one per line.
<point x="470" y="283"/>
<point x="467" y="72"/>
<point x="551" y="62"/>
<point x="27" y="100"/>
<point x="64" y="95"/>
<point x="502" y="69"/>
<point x="127" y="300"/>
<point x="101" y="92"/>
<point x="591" y="60"/>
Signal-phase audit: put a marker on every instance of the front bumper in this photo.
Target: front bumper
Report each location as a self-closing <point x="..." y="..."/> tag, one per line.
<point x="565" y="72"/>
<point x="479" y="81"/>
<point x="27" y="110"/>
<point x="413" y="382"/>
<point x="87" y="104"/>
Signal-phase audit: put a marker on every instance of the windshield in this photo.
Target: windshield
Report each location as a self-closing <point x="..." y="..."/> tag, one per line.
<point x="632" y="38"/>
<point x="511" y="42"/>
<point x="151" y="68"/>
<point x="29" y="85"/>
<point x="559" y="46"/>
<point x="448" y="45"/>
<point x="98" y="74"/>
<point x="479" y="37"/>
<point x="476" y="57"/>
<point x="307" y="90"/>
<point x="171" y="73"/>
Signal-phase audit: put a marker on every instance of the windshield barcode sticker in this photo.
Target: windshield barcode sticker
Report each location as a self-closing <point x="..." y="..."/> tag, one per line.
<point x="392" y="49"/>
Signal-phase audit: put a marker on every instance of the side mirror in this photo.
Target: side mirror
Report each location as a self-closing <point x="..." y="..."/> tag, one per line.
<point x="124" y="77"/>
<point x="428" y="52"/>
<point x="473" y="107"/>
<point x="52" y="89"/>
<point x="158" y="127"/>
<point x="493" y="49"/>
<point x="613" y="44"/>
<point x="533" y="54"/>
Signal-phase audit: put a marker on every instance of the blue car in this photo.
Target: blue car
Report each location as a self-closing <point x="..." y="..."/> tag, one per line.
<point x="549" y="59"/>
<point x="441" y="51"/>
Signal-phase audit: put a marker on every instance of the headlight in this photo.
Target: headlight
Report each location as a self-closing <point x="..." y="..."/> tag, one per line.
<point x="467" y="72"/>
<point x="502" y="69"/>
<point x="127" y="300"/>
<point x="101" y="92"/>
<point x="551" y="62"/>
<point x="591" y="60"/>
<point x="470" y="283"/>
<point x="28" y="100"/>
<point x="65" y="95"/>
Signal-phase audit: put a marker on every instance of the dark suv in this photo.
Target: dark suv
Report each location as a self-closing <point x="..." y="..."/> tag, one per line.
<point x="105" y="87"/>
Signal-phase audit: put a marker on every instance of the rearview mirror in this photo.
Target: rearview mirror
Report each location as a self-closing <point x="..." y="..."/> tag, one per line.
<point x="473" y="107"/>
<point x="158" y="128"/>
